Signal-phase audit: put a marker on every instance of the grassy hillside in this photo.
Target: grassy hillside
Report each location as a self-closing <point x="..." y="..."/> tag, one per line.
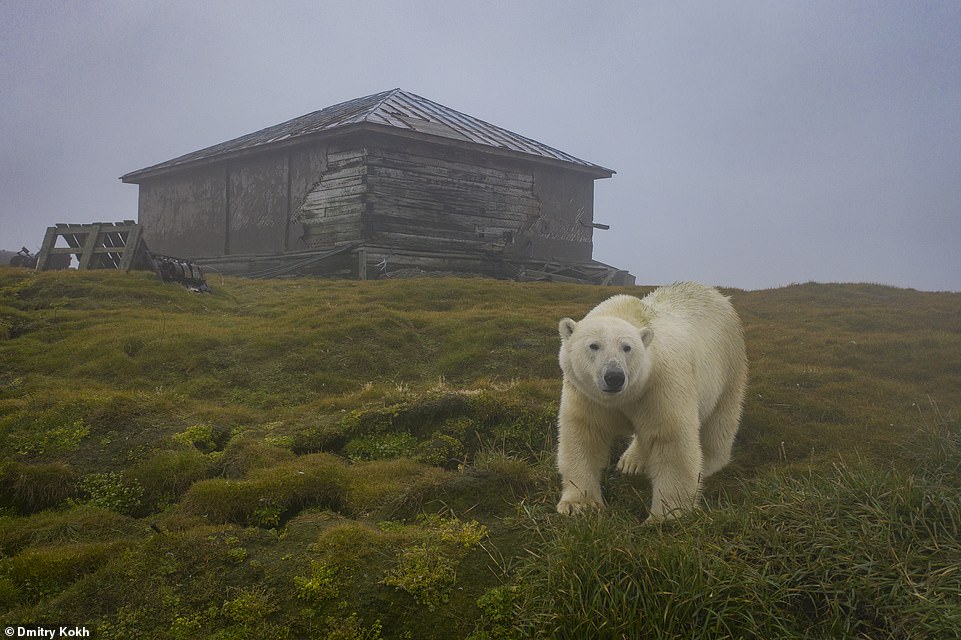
<point x="305" y="458"/>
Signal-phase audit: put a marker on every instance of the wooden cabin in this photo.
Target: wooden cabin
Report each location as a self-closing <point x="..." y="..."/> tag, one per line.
<point x="378" y="184"/>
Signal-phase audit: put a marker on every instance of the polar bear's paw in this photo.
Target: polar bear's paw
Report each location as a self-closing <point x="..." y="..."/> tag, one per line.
<point x="631" y="461"/>
<point x="573" y="507"/>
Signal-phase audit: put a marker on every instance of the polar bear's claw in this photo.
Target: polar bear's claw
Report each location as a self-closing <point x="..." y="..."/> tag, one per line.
<point x="630" y="463"/>
<point x="570" y="508"/>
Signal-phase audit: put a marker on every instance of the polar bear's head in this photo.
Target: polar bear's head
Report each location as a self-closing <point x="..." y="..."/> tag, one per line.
<point x="605" y="358"/>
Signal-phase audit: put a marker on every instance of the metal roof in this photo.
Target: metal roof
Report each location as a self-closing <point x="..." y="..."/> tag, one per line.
<point x="395" y="108"/>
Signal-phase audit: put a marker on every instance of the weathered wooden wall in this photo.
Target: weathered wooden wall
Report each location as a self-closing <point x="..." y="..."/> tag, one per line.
<point x="332" y="211"/>
<point x="396" y="193"/>
<point x="563" y="228"/>
<point x="185" y="214"/>
<point x="425" y="197"/>
<point x="307" y="163"/>
<point x="257" y="205"/>
<point x="237" y="207"/>
<point x="384" y="191"/>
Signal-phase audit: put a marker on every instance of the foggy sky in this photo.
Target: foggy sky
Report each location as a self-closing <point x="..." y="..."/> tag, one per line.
<point x="756" y="144"/>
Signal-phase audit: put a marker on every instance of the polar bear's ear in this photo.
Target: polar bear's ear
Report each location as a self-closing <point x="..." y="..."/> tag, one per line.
<point x="566" y="328"/>
<point x="647" y="334"/>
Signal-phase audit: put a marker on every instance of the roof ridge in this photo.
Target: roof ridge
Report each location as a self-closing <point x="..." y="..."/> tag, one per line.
<point x="362" y="114"/>
<point x="372" y="109"/>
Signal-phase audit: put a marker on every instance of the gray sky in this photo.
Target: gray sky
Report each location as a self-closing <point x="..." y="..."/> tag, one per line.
<point x="756" y="144"/>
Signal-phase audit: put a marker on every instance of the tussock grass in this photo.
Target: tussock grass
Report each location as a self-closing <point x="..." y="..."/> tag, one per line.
<point x="270" y="496"/>
<point x="166" y="475"/>
<point x="854" y="552"/>
<point x="246" y="453"/>
<point x="379" y="487"/>
<point x="41" y="572"/>
<point x="292" y="457"/>
<point x="78" y="524"/>
<point x="28" y="488"/>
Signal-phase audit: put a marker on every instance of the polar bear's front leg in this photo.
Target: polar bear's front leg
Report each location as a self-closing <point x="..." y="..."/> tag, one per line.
<point x="581" y="456"/>
<point x="584" y="441"/>
<point x="575" y="500"/>
<point x="633" y="459"/>
<point x="675" y="478"/>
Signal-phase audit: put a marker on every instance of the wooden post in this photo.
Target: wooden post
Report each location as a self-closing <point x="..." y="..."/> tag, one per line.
<point x="362" y="264"/>
<point x="46" y="249"/>
<point x="132" y="247"/>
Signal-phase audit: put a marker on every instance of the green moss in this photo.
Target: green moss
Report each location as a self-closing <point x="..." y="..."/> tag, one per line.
<point x="204" y="437"/>
<point x="447" y="427"/>
<point x="427" y="570"/>
<point x="111" y="491"/>
<point x="381" y="446"/>
<point x="466" y="535"/>
<point x="250" y="607"/>
<point x="351" y="628"/>
<point x="472" y="490"/>
<point x="50" y="435"/>
<point x="516" y="473"/>
<point x="328" y="433"/>
<point x="320" y="585"/>
<point x="499" y="620"/>
<point x="237" y="555"/>
<point x="442" y="450"/>
<point x="428" y="576"/>
<point x="349" y="544"/>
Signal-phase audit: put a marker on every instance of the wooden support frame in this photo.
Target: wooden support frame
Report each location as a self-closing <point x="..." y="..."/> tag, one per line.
<point x="101" y="245"/>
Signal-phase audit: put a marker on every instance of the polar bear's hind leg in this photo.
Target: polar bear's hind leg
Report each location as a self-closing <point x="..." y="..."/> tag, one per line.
<point x="718" y="431"/>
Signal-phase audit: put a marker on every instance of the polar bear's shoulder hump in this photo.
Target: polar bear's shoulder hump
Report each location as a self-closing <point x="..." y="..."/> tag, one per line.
<point x="630" y="308"/>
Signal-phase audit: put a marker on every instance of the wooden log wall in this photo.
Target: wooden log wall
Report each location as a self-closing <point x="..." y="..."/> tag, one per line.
<point x="426" y="198"/>
<point x="399" y="193"/>
<point x="332" y="211"/>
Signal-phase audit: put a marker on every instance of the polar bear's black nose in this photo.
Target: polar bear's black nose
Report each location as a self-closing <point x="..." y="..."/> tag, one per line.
<point x="613" y="380"/>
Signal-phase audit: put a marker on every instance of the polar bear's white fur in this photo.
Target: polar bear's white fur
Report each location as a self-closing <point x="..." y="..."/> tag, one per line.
<point x="670" y="369"/>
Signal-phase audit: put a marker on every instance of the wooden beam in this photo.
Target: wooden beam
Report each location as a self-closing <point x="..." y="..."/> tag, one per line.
<point x="88" y="246"/>
<point x="132" y="248"/>
<point x="49" y="240"/>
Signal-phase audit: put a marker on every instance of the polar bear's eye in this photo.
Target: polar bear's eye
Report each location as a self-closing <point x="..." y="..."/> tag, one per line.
<point x="594" y="346"/>
<point x="627" y="348"/>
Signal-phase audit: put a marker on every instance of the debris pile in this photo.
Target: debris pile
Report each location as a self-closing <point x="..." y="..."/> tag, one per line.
<point x="581" y="273"/>
<point x="23" y="258"/>
<point x="184" y="272"/>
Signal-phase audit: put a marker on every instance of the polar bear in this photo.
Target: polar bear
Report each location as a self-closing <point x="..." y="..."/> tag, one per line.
<point x="669" y="369"/>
